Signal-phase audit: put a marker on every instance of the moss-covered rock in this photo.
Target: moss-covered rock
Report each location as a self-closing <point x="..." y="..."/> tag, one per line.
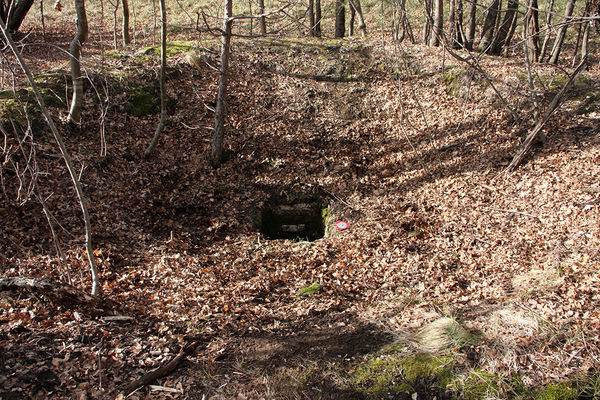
<point x="143" y="101"/>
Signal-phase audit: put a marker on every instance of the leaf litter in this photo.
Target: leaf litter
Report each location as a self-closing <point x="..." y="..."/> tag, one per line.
<point x="437" y="232"/>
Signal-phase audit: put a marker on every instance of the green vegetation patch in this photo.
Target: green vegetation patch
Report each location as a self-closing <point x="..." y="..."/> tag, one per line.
<point x="177" y="47"/>
<point x="143" y="101"/>
<point x="444" y="334"/>
<point x="394" y="373"/>
<point x="479" y="384"/>
<point x="558" y="391"/>
<point x="310" y="290"/>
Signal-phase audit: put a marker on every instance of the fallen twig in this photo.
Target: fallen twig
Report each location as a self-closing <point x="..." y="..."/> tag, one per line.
<point x="163" y="370"/>
<point x="518" y="212"/>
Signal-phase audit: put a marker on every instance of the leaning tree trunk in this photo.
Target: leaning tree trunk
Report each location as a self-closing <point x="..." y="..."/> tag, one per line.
<point x="163" y="67"/>
<point x="340" y="19"/>
<point x="216" y="155"/>
<point x="489" y="25"/>
<point x="126" y="38"/>
<point x="262" y="21"/>
<point x="65" y="154"/>
<point x="471" y="25"/>
<point x="438" y="23"/>
<point x="74" y="57"/>
<point x="560" y="37"/>
<point x="509" y="19"/>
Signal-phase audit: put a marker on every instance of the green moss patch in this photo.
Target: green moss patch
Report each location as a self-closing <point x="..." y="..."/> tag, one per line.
<point x="143" y="101"/>
<point x="310" y="290"/>
<point x="558" y="391"/>
<point x="395" y="374"/>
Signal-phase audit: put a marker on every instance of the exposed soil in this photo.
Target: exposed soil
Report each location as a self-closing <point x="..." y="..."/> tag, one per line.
<point x="435" y="229"/>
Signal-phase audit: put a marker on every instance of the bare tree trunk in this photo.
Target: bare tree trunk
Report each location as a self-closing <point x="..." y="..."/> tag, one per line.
<point x="216" y="155"/>
<point x="560" y="37"/>
<point x="509" y="19"/>
<point x="311" y="17"/>
<point x="74" y="57"/>
<point x="586" y="35"/>
<point x="451" y="22"/>
<point x="511" y="34"/>
<point x="318" y="18"/>
<point x="438" y="23"/>
<point x="489" y="25"/>
<point x="548" y="29"/>
<point x="262" y="22"/>
<point x="43" y="20"/>
<point x="163" y="67"/>
<point x="532" y="30"/>
<point x="126" y="38"/>
<point x="470" y="39"/>
<point x="115" y="23"/>
<point x="65" y="154"/>
<point x="428" y="21"/>
<point x="13" y="13"/>
<point x="455" y="24"/>
<point x="351" y="23"/>
<point x="340" y="19"/>
<point x="357" y="8"/>
<point x="582" y="34"/>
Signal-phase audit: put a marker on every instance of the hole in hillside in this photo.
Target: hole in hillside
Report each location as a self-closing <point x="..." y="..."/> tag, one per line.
<point x="301" y="219"/>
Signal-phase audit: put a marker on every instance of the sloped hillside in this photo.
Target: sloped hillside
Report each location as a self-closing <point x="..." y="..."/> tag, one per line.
<point x="407" y="147"/>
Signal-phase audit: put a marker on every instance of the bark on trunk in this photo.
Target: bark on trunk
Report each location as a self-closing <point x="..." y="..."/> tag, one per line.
<point x="489" y="25"/>
<point x="13" y="14"/>
<point x="340" y="19"/>
<point x="357" y="9"/>
<point x="548" y="30"/>
<point x="560" y="37"/>
<point x="262" y="21"/>
<point x="216" y="155"/>
<point x="428" y="21"/>
<point x="311" y="17"/>
<point x="74" y="57"/>
<point x="318" y="18"/>
<point x="438" y="23"/>
<point x="586" y="36"/>
<point x="126" y="38"/>
<point x="509" y="19"/>
<point x="532" y="30"/>
<point x="470" y="39"/>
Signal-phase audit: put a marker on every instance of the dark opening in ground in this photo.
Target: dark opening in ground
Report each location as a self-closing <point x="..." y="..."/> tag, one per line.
<point x="297" y="220"/>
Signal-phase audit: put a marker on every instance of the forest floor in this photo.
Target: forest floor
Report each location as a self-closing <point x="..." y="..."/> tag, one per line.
<point x="405" y="145"/>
